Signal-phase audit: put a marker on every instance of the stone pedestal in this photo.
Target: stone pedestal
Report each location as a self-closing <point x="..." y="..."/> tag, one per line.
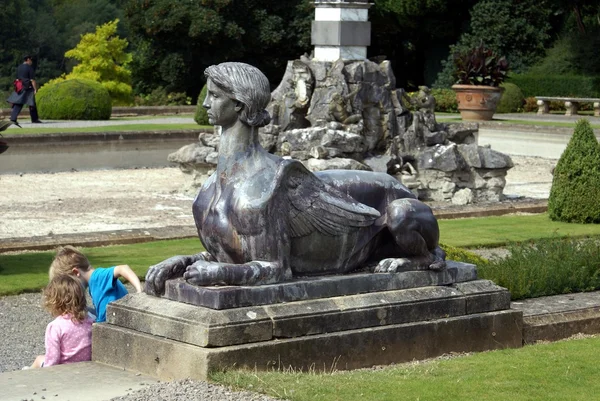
<point x="321" y="323"/>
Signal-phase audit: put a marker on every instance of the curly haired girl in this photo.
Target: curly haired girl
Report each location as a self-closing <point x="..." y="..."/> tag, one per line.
<point x="69" y="336"/>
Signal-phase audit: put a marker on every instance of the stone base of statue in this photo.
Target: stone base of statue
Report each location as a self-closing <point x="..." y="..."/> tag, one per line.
<point x="320" y="323"/>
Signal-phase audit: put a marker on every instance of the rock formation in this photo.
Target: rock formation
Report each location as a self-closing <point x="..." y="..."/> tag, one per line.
<point x="350" y="115"/>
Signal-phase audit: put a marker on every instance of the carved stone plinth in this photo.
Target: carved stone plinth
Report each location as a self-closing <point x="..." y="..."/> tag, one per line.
<point x="175" y="340"/>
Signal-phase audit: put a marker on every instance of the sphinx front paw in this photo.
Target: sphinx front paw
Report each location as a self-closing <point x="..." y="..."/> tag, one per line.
<point x="392" y="265"/>
<point x="204" y="273"/>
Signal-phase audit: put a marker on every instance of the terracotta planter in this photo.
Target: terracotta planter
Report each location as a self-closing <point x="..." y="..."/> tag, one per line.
<point x="476" y="102"/>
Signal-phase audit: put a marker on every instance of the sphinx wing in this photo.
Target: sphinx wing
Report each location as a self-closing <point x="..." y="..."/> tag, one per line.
<point x="313" y="205"/>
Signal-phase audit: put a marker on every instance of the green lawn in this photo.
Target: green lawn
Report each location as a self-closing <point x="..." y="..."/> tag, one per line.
<point x="107" y="128"/>
<point x="500" y="230"/>
<point x="28" y="272"/>
<point x="154" y="116"/>
<point x="565" y="370"/>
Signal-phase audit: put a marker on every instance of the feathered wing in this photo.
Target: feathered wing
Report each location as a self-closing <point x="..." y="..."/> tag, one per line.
<point x="313" y="205"/>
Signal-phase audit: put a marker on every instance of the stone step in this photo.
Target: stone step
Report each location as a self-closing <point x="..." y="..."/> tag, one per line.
<point x="205" y="327"/>
<point x="556" y="317"/>
<point x="171" y="360"/>
<point x="83" y="381"/>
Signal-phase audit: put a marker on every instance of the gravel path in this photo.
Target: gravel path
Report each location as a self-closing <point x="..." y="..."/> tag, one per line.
<point x="22" y="326"/>
<point x="38" y="204"/>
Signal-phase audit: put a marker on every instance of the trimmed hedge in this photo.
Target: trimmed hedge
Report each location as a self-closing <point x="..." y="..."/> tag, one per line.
<point x="512" y="99"/>
<point x="74" y="99"/>
<point x="201" y="116"/>
<point x="557" y="85"/>
<point x="575" y="193"/>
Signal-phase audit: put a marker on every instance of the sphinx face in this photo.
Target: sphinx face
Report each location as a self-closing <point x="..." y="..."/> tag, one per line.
<point x="221" y="108"/>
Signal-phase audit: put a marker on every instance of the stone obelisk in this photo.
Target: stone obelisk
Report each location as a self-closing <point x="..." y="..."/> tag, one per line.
<point x="341" y="30"/>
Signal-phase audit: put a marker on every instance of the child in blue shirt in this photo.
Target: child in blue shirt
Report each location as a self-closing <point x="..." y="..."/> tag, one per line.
<point x="103" y="283"/>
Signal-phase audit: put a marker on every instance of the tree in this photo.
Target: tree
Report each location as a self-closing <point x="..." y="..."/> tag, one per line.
<point x="175" y="41"/>
<point x="415" y="35"/>
<point x="102" y="58"/>
<point x="518" y="30"/>
<point x="576" y="183"/>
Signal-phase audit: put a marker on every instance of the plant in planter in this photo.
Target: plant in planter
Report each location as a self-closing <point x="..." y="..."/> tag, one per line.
<point x="478" y="73"/>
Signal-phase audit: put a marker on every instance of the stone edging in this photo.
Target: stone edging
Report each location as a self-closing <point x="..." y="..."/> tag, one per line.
<point x="130" y="111"/>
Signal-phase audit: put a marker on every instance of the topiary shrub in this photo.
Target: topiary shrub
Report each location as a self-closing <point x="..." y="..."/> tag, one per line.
<point x="74" y="99"/>
<point x="575" y="193"/>
<point x="201" y="117"/>
<point x="512" y="99"/>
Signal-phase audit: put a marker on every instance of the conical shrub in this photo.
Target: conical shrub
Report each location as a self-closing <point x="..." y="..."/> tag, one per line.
<point x="201" y="115"/>
<point x="575" y="192"/>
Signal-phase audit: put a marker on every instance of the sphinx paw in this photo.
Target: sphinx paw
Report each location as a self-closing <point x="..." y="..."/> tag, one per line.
<point x="392" y="265"/>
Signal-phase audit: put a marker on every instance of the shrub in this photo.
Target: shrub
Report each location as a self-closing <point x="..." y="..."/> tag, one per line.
<point x="74" y="99"/>
<point x="546" y="267"/>
<point x="445" y="100"/>
<point x="575" y="192"/>
<point x="462" y="255"/>
<point x="557" y="85"/>
<point x="201" y="117"/>
<point x="160" y="97"/>
<point x="512" y="99"/>
<point x="530" y="104"/>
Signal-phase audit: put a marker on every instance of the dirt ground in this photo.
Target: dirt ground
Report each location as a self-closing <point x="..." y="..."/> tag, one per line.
<point x="105" y="200"/>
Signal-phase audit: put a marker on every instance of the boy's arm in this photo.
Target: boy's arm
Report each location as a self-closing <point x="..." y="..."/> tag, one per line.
<point x="126" y="272"/>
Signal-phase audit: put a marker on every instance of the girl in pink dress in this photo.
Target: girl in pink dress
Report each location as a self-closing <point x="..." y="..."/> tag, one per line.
<point x="69" y="336"/>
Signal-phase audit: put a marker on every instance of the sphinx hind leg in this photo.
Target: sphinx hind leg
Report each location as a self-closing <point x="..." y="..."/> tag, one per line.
<point x="415" y="231"/>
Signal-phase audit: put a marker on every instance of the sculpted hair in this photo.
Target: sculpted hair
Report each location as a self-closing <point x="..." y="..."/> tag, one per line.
<point x="67" y="258"/>
<point x="65" y="295"/>
<point x="246" y="84"/>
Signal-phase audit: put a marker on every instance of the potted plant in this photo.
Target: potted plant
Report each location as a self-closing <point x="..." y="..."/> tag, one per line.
<point x="478" y="73"/>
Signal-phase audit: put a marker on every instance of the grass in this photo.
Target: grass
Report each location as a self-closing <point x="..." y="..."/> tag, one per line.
<point x="501" y="230"/>
<point x="28" y="272"/>
<point x="565" y="370"/>
<point x="107" y="128"/>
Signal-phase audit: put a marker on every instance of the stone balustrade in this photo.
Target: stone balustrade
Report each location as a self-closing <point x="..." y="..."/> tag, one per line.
<point x="571" y="104"/>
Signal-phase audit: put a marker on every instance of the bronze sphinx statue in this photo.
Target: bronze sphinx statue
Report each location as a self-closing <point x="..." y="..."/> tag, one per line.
<point x="264" y="219"/>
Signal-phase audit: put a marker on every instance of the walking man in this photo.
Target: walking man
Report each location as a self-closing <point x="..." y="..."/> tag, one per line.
<point x="26" y="96"/>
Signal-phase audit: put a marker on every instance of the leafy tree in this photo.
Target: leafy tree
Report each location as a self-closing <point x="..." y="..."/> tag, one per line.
<point x="518" y="30"/>
<point x="102" y="58"/>
<point x="46" y="29"/>
<point x="415" y="35"/>
<point x="175" y="41"/>
<point x="576" y="184"/>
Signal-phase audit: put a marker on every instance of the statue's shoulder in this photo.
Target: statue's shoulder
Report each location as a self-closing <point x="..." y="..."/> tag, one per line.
<point x="287" y="168"/>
